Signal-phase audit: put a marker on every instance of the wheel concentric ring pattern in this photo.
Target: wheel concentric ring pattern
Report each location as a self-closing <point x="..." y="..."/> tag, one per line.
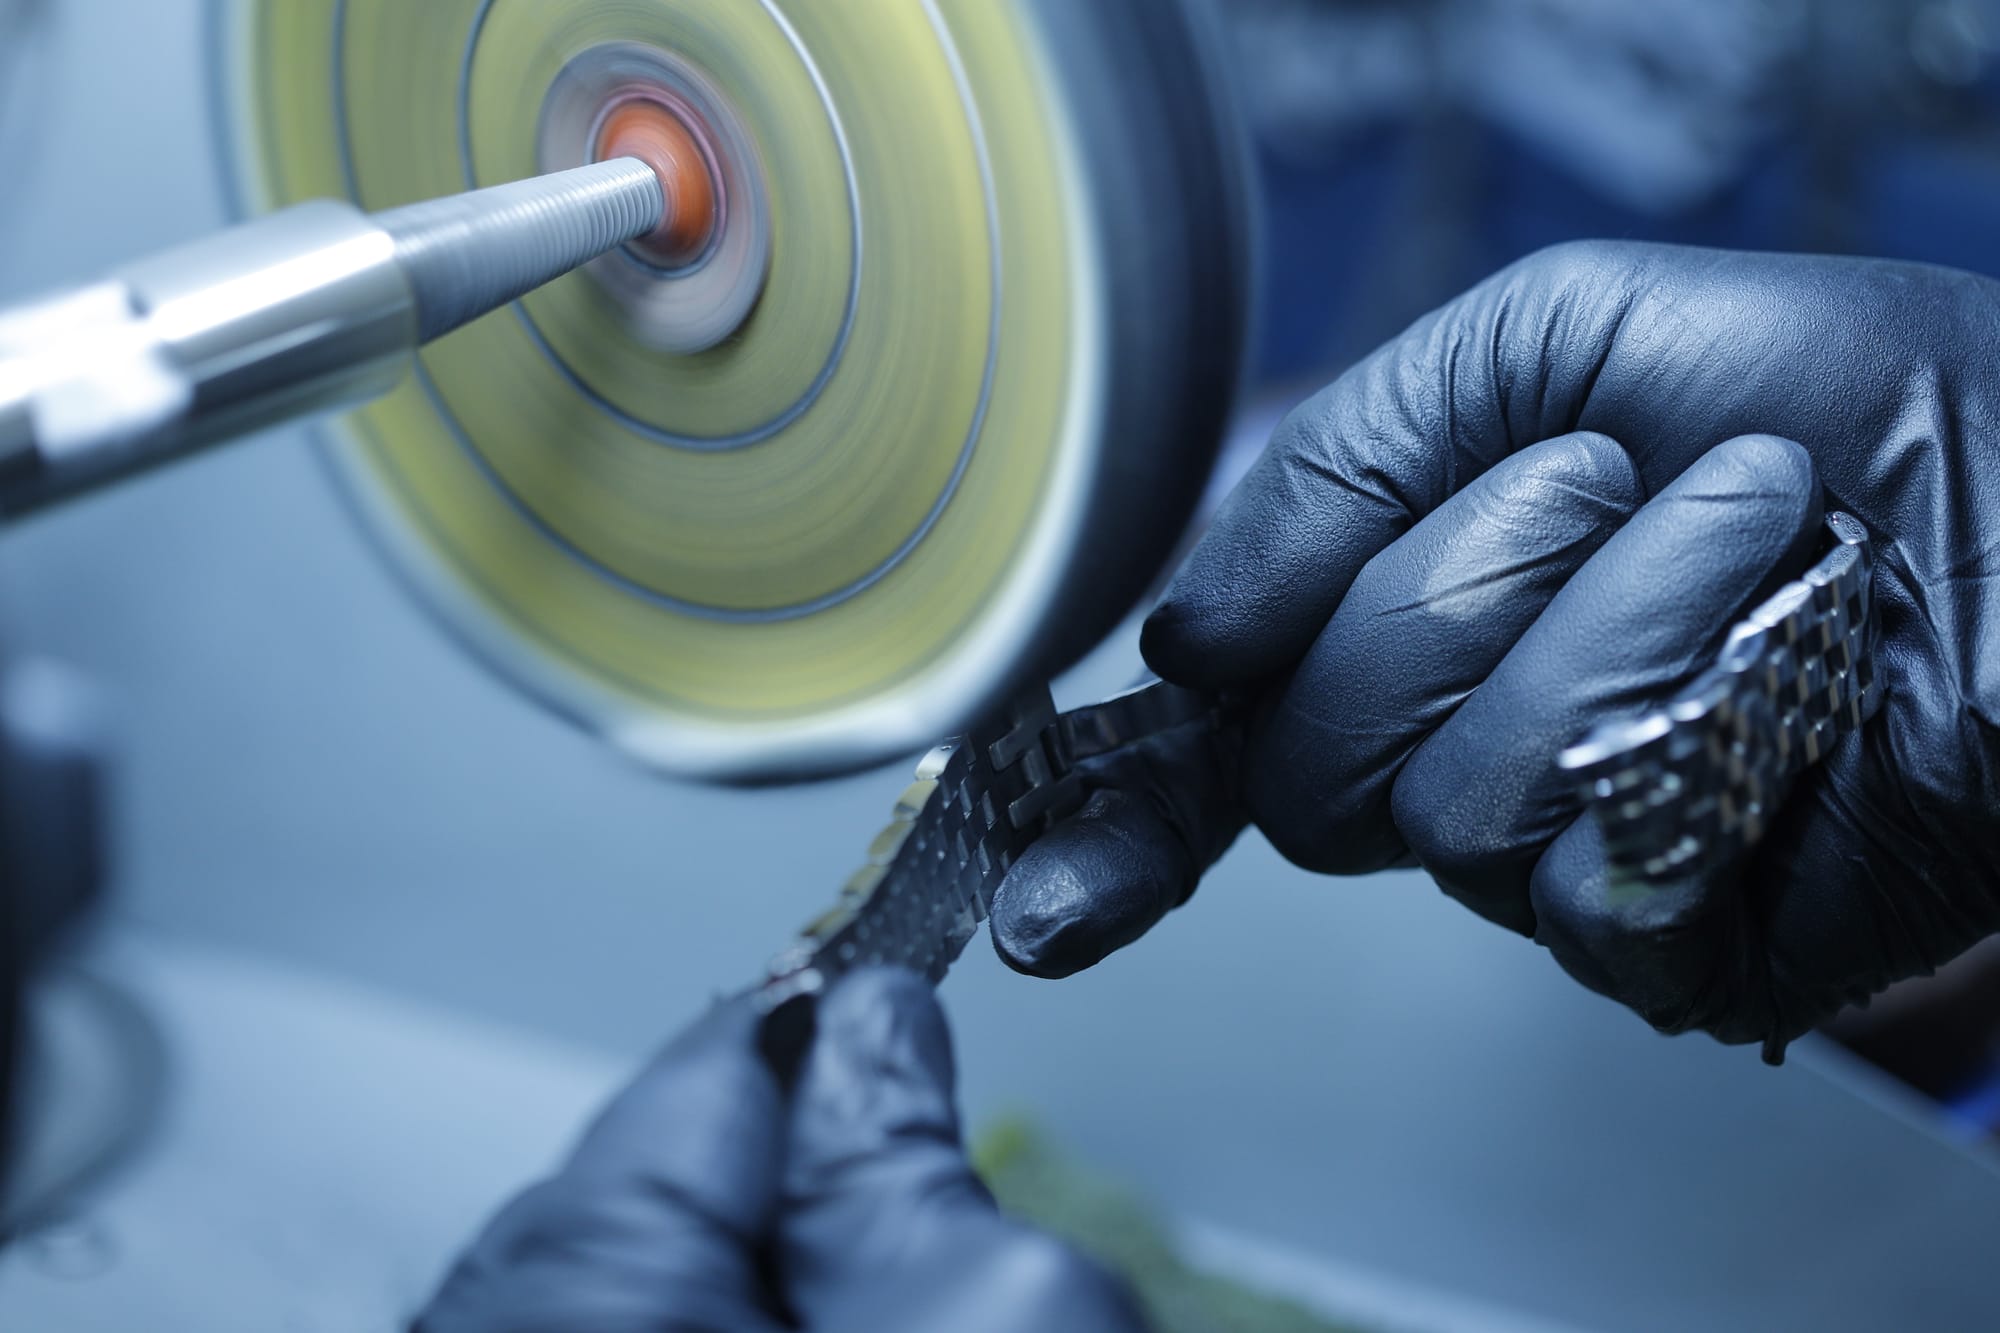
<point x="921" y="423"/>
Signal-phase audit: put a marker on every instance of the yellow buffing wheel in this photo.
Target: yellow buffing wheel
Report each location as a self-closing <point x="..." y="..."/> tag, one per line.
<point x="917" y="423"/>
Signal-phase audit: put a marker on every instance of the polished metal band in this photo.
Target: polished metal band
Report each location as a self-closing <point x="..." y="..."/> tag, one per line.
<point x="1678" y="790"/>
<point x="1690" y="786"/>
<point x="977" y="804"/>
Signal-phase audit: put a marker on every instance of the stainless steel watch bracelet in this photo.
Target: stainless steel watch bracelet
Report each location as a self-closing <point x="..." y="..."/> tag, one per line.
<point x="976" y="805"/>
<point x="1679" y="789"/>
<point x="1693" y="784"/>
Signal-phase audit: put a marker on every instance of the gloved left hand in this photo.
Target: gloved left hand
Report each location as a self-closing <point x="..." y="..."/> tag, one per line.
<point x="708" y="1198"/>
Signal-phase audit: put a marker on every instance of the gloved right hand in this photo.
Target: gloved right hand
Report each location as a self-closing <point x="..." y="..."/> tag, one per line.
<point x="1545" y="505"/>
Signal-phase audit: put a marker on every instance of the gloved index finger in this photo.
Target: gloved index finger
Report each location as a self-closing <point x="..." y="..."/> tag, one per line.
<point x="1357" y="465"/>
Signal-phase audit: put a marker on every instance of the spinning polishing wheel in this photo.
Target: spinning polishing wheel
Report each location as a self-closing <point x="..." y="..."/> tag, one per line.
<point x="903" y="409"/>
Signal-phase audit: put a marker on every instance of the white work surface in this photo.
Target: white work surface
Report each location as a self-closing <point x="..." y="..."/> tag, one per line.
<point x="325" y="1148"/>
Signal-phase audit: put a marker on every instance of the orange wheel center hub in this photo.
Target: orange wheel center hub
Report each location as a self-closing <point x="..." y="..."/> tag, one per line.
<point x="652" y="133"/>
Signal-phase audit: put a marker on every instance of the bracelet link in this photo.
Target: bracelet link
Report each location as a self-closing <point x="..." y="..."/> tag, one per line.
<point x="1692" y="785"/>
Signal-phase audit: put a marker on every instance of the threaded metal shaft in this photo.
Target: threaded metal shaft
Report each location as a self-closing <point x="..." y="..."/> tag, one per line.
<point x="472" y="253"/>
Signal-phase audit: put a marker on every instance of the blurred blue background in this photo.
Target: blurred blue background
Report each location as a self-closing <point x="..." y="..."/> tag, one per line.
<point x="1411" y="147"/>
<point x="402" y="928"/>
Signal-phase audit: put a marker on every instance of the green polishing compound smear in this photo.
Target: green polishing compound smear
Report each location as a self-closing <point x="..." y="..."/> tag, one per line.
<point x="1036" y="1183"/>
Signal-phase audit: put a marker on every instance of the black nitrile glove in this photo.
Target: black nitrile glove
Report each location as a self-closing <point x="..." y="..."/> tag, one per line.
<point x="1544" y="505"/>
<point x="707" y="1198"/>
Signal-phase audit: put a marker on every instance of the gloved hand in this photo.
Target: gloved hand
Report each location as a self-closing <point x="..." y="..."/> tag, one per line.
<point x="707" y="1197"/>
<point x="1544" y="505"/>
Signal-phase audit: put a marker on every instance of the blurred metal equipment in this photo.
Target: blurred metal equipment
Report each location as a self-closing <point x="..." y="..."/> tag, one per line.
<point x="52" y="872"/>
<point x="313" y="308"/>
<point x="87" y="1095"/>
<point x="913" y="428"/>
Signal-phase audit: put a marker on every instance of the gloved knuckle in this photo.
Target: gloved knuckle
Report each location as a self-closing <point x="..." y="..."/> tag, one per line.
<point x="1577" y="261"/>
<point x="1443" y="843"/>
<point x="1774" y="465"/>
<point x="1550" y="472"/>
<point x="1309" y="432"/>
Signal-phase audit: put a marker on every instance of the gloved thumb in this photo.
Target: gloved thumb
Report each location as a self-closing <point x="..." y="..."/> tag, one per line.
<point x="885" y="1226"/>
